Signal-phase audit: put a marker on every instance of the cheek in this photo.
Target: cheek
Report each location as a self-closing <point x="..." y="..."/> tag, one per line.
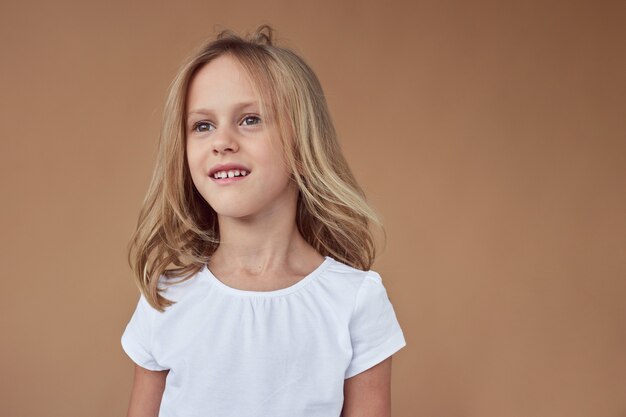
<point x="196" y="173"/>
<point x="279" y="178"/>
<point x="270" y="156"/>
<point x="194" y="161"/>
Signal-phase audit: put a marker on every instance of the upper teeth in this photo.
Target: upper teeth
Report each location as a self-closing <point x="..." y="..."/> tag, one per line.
<point x="230" y="174"/>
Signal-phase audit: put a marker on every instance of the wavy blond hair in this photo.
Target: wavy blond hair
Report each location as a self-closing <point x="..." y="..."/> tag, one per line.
<point x="177" y="231"/>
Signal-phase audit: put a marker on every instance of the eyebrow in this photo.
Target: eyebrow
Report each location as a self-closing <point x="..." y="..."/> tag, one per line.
<point x="237" y="107"/>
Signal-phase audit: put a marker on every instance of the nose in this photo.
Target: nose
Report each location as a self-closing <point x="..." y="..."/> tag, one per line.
<point x="224" y="140"/>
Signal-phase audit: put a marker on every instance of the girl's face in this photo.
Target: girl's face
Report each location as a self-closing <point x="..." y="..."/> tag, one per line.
<point x="227" y="136"/>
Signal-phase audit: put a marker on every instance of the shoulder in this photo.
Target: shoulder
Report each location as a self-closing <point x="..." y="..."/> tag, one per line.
<point x="349" y="273"/>
<point x="351" y="279"/>
<point x="180" y="290"/>
<point x="360" y="289"/>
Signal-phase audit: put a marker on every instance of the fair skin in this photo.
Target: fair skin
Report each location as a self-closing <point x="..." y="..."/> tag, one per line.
<point x="256" y="215"/>
<point x="368" y="394"/>
<point x="147" y="391"/>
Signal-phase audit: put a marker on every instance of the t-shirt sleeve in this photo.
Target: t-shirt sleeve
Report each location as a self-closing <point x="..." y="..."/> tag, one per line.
<point x="374" y="329"/>
<point x="137" y="337"/>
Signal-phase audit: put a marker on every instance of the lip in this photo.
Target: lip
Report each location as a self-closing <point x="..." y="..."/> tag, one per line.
<point x="228" y="167"/>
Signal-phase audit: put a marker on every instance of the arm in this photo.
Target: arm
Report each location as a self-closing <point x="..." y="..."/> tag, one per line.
<point x="368" y="394"/>
<point x="147" y="392"/>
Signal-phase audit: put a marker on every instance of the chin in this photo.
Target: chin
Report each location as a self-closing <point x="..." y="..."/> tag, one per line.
<point x="232" y="212"/>
<point x="233" y="215"/>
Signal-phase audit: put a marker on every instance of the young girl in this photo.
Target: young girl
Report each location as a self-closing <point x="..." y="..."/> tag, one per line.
<point x="252" y="251"/>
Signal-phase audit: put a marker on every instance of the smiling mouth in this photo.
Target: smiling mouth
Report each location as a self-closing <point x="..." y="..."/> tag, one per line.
<point x="233" y="173"/>
<point x="227" y="177"/>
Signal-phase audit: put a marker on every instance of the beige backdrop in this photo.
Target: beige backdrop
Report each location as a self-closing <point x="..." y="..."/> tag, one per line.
<point x="489" y="135"/>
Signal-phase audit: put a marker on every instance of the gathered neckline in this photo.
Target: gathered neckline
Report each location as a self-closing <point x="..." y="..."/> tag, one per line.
<point x="282" y="291"/>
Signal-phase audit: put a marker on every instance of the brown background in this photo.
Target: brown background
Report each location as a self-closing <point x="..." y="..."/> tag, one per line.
<point x="489" y="135"/>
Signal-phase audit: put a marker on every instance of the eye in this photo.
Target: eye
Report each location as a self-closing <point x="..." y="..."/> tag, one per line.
<point x="251" y="120"/>
<point x="202" y="127"/>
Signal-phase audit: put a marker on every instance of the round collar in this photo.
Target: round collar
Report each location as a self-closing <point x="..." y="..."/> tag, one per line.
<point x="282" y="291"/>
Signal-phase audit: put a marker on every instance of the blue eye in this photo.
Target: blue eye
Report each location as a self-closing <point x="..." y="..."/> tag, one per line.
<point x="202" y="127"/>
<point x="251" y="120"/>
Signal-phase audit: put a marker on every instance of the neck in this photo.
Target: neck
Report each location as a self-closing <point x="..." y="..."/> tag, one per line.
<point x="261" y="246"/>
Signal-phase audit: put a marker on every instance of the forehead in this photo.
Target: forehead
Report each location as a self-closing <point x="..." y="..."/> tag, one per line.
<point x="221" y="83"/>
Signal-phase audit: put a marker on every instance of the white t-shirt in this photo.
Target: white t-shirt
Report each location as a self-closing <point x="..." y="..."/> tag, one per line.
<point x="283" y="353"/>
